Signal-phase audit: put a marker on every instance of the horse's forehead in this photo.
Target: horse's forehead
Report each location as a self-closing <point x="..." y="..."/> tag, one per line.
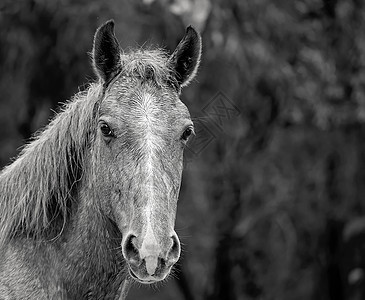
<point x="145" y="100"/>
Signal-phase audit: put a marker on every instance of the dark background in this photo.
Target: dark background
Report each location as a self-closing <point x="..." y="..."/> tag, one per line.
<point x="272" y="202"/>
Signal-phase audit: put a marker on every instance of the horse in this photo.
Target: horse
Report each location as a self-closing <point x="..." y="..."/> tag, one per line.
<point x="89" y="205"/>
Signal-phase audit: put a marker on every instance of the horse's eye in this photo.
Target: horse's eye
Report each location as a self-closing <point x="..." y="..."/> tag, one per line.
<point x="105" y="130"/>
<point x="187" y="133"/>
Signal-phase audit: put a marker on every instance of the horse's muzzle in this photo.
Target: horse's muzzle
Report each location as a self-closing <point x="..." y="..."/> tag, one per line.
<point x="148" y="263"/>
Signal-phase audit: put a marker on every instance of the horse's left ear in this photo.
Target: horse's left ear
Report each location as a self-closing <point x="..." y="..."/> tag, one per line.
<point x="106" y="52"/>
<point x="186" y="58"/>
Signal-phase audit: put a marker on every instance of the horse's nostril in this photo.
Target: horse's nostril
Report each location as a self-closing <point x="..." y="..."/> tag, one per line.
<point x="174" y="252"/>
<point x="129" y="249"/>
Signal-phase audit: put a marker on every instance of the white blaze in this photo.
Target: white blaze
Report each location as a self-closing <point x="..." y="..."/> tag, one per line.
<point x="150" y="248"/>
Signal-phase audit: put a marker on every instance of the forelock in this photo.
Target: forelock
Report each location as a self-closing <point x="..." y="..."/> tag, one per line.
<point x="148" y="65"/>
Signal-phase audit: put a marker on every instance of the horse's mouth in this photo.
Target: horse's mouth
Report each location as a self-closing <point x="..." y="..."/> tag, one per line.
<point x="148" y="280"/>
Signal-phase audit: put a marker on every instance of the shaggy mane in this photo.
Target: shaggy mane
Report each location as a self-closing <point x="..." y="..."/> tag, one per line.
<point x="36" y="188"/>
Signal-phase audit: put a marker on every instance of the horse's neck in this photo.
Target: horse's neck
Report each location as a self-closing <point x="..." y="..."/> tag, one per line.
<point x="92" y="248"/>
<point x="79" y="244"/>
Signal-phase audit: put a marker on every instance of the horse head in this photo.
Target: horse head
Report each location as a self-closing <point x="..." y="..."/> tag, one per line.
<point x="137" y="154"/>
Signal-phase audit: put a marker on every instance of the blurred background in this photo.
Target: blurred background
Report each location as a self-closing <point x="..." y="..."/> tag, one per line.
<point x="272" y="204"/>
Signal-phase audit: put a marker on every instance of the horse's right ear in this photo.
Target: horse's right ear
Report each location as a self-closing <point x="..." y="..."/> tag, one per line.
<point x="106" y="52"/>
